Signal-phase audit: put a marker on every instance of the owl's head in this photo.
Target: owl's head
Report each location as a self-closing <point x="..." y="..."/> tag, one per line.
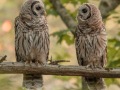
<point x="33" y="7"/>
<point x="88" y="12"/>
<point x="32" y="11"/>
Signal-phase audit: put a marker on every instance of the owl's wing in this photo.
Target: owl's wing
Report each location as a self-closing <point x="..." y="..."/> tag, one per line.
<point x="18" y="59"/>
<point x="16" y="24"/>
<point x="101" y="47"/>
<point x="18" y="38"/>
<point x="76" y="32"/>
<point x="78" y="43"/>
<point x="104" y="58"/>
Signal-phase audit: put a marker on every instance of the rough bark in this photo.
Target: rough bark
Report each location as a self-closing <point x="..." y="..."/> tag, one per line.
<point x="20" y="68"/>
<point x="61" y="10"/>
<point x="106" y="6"/>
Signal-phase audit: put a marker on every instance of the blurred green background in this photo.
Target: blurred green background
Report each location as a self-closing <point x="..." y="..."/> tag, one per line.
<point x="62" y="44"/>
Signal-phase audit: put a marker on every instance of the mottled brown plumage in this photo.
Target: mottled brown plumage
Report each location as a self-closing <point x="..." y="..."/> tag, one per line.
<point x="90" y="42"/>
<point x="32" y="39"/>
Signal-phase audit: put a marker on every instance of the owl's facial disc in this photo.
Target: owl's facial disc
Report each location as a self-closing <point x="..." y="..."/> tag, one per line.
<point x="84" y="12"/>
<point x="37" y="9"/>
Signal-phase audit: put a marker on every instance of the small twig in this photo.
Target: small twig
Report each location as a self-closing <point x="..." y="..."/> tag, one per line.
<point x="108" y="69"/>
<point x="57" y="62"/>
<point x="3" y="58"/>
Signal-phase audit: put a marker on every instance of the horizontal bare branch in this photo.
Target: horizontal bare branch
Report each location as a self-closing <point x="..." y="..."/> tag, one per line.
<point x="20" y="68"/>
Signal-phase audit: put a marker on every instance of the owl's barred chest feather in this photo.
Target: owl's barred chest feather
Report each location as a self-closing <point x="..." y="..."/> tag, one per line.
<point x="90" y="46"/>
<point x="38" y="42"/>
<point x="35" y="37"/>
<point x="31" y="43"/>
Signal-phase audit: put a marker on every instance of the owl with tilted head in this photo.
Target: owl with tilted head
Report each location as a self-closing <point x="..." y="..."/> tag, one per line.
<point x="91" y="42"/>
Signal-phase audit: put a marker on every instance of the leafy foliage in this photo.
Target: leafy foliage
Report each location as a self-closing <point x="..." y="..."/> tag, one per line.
<point x="113" y="43"/>
<point x="63" y="36"/>
<point x="10" y="11"/>
<point x="5" y="83"/>
<point x="114" y="52"/>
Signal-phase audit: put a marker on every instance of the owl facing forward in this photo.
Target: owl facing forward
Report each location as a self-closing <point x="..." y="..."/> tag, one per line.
<point x="32" y="39"/>
<point x="91" y="42"/>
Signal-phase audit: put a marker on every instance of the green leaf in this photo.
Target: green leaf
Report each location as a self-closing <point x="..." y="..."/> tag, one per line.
<point x="119" y="33"/>
<point x="63" y="36"/>
<point x="74" y="2"/>
<point x="65" y="78"/>
<point x="61" y="55"/>
<point x="68" y="39"/>
<point x="52" y="12"/>
<point x="115" y="63"/>
<point x="111" y="51"/>
<point x="113" y="42"/>
<point x="59" y="33"/>
<point x="117" y="44"/>
<point x="84" y="1"/>
<point x="116" y="17"/>
<point x="118" y="21"/>
<point x="111" y="81"/>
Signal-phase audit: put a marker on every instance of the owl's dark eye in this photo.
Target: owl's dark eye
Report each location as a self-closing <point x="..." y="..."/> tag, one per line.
<point x="38" y="8"/>
<point x="84" y="10"/>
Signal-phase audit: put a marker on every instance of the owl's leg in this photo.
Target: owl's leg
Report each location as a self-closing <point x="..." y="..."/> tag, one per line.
<point x="37" y="63"/>
<point x="98" y="67"/>
<point x="97" y="64"/>
<point x="42" y="62"/>
<point x="41" y="59"/>
<point x="94" y="63"/>
<point x="89" y="66"/>
<point x="28" y="61"/>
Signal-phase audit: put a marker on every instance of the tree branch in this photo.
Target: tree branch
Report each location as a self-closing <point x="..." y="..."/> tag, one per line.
<point x="20" y="68"/>
<point x="61" y="10"/>
<point x="106" y="6"/>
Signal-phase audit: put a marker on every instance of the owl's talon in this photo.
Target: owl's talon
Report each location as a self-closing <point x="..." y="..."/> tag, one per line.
<point x="99" y="67"/>
<point x="89" y="67"/>
<point x="42" y="64"/>
<point x="37" y="64"/>
<point x="29" y="63"/>
<point x="26" y="63"/>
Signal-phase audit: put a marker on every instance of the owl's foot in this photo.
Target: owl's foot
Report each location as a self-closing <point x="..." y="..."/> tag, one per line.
<point x="93" y="67"/>
<point x="98" y="67"/>
<point x="90" y="66"/>
<point x="29" y="63"/>
<point x="37" y="63"/>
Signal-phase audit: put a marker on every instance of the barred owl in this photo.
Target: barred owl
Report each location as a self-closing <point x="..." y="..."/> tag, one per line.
<point x="90" y="42"/>
<point x="32" y="39"/>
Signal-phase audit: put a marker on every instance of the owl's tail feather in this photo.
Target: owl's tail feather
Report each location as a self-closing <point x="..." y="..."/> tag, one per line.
<point x="94" y="83"/>
<point x="32" y="81"/>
